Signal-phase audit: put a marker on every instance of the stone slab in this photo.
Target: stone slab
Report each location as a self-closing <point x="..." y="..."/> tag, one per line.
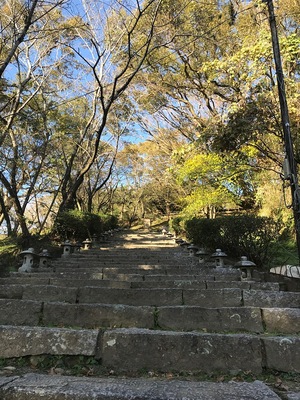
<point x="11" y="291"/>
<point x="98" y="315"/>
<point x="89" y="282"/>
<point x="213" y="298"/>
<point x="246" y="285"/>
<point x="226" y="319"/>
<point x="139" y="269"/>
<point x="78" y="275"/>
<point x="79" y="270"/>
<point x="165" y="278"/>
<point x="282" y="320"/>
<point x="269" y="299"/>
<point x="24" y="280"/>
<point x="293" y="396"/>
<point x="20" y="312"/>
<point x="274" y="286"/>
<point x="282" y="353"/>
<point x="50" y="293"/>
<point x="138" y="349"/>
<point x="181" y="284"/>
<point x="133" y="297"/>
<point x="123" y="277"/>
<point x="225" y="274"/>
<point x="35" y="387"/>
<point x="228" y="284"/>
<point x="19" y="341"/>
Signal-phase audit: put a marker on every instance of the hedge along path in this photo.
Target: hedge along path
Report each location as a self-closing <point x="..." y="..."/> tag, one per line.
<point x="141" y="303"/>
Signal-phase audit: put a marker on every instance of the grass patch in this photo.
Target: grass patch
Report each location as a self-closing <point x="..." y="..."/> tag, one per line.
<point x="9" y="250"/>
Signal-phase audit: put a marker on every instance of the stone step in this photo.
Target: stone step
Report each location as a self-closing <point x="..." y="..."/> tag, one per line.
<point x="98" y="273"/>
<point x="136" y="349"/>
<point x="90" y="282"/>
<point x="180" y="318"/>
<point x="124" y="262"/>
<point x="36" y="313"/>
<point x="147" y="297"/>
<point x="21" y="341"/>
<point x="33" y="386"/>
<point x="133" y="349"/>
<point x="226" y="297"/>
<point x="208" y="283"/>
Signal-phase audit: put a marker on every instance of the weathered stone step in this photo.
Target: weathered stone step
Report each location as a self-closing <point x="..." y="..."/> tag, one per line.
<point x="207" y="283"/>
<point x="33" y="386"/>
<point x="140" y="276"/>
<point x="226" y="297"/>
<point x="20" y="341"/>
<point x="137" y="349"/>
<point x="180" y="318"/>
<point x="134" y="349"/>
<point x="125" y="261"/>
<point x="90" y="282"/>
<point x="135" y="251"/>
<point x="35" y="313"/>
<point x="153" y="297"/>
<point x="160" y="277"/>
<point x="229" y="319"/>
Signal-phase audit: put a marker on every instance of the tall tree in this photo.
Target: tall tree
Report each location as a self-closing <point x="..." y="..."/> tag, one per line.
<point x="113" y="48"/>
<point x="215" y="83"/>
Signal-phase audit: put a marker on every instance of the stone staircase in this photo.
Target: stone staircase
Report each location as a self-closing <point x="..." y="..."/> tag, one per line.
<point x="151" y="319"/>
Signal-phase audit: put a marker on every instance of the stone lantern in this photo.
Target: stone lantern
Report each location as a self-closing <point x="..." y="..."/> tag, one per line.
<point x="246" y="267"/>
<point x="164" y="231"/>
<point x="201" y="254"/>
<point x="67" y="248"/>
<point x="77" y="247"/>
<point x="44" y="258"/>
<point x="192" y="249"/>
<point x="94" y="238"/>
<point x="184" y="245"/>
<point x="219" y="256"/>
<point x="87" y="244"/>
<point x="28" y="258"/>
<point x="105" y="236"/>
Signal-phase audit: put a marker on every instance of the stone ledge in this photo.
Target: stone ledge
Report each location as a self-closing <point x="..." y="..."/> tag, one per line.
<point x="19" y="341"/>
<point x="230" y="319"/>
<point x="34" y="386"/>
<point x="136" y="349"/>
<point x="282" y="353"/>
<point x="98" y="315"/>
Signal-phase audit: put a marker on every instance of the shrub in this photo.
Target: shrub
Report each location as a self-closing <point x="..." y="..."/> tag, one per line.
<point x="238" y="236"/>
<point x="108" y="221"/>
<point x="177" y="225"/>
<point x="79" y="225"/>
<point x="203" y="231"/>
